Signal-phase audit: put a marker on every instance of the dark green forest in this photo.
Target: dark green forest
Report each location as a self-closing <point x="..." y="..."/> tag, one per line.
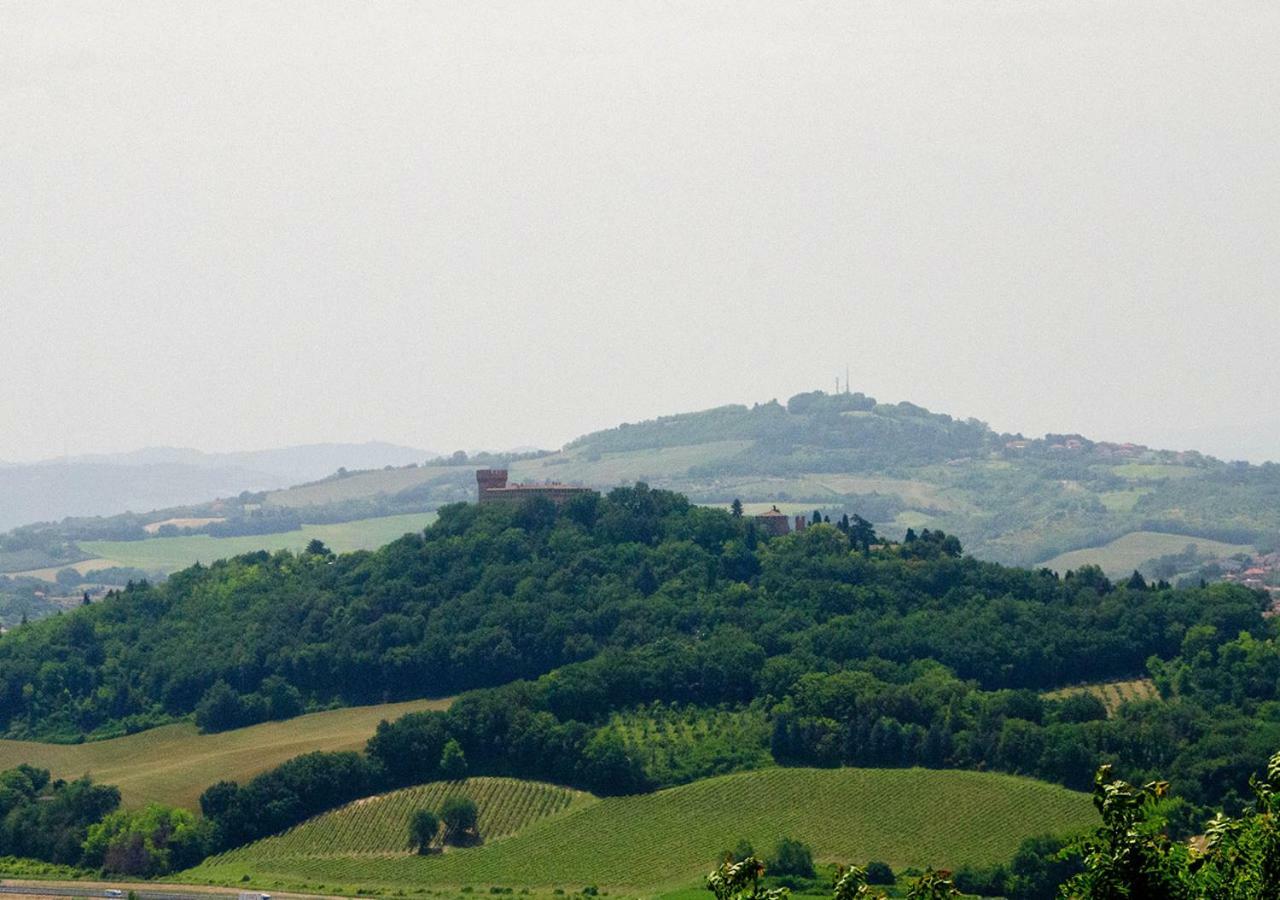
<point x="905" y="654"/>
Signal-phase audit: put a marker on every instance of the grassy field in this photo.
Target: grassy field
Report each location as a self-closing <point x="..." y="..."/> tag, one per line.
<point x="173" y="553"/>
<point x="1152" y="471"/>
<point x="359" y="485"/>
<point x="1120" y="557"/>
<point x="1122" y="501"/>
<point x="670" y="838"/>
<point x="917" y="494"/>
<point x="1112" y="693"/>
<point x="174" y="764"/>
<point x="607" y="469"/>
<point x="801" y="489"/>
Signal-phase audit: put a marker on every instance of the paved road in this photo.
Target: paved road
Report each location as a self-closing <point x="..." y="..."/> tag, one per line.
<point x="68" y="891"/>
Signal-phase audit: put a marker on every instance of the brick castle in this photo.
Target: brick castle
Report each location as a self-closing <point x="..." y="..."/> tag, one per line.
<point x="777" y="523"/>
<point x="493" y="488"/>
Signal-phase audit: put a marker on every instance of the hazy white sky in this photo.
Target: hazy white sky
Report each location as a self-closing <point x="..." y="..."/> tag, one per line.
<point x="483" y="224"/>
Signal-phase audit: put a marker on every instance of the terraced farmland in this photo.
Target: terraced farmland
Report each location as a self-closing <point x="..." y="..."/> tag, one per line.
<point x="379" y="826"/>
<point x="669" y="838"/>
<point x="173" y="764"/>
<point x="1113" y="694"/>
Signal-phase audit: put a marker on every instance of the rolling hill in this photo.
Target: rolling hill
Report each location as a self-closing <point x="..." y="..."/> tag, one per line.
<point x="665" y="839"/>
<point x="1009" y="498"/>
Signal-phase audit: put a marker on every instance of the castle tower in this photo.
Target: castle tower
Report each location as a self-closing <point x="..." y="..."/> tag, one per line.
<point x="490" y="480"/>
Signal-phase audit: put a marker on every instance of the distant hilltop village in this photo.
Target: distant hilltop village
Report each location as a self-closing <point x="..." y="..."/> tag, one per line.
<point x="493" y="488"/>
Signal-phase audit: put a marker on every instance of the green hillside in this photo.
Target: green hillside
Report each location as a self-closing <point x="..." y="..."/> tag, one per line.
<point x="172" y="553"/>
<point x="1121" y="556"/>
<point x="669" y="838"/>
<point x="360" y="485"/>
<point x="1008" y="498"/>
<point x="174" y="763"/>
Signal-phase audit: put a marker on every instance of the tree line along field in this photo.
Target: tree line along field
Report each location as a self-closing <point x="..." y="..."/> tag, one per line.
<point x="1113" y="694"/>
<point x="172" y="553"/>
<point x="669" y="838"/>
<point x="173" y="764"/>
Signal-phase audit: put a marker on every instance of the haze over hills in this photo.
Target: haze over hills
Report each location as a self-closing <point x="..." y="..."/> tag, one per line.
<point x="158" y="477"/>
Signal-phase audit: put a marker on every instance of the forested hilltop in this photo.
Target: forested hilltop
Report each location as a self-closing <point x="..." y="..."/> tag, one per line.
<point x="586" y="626"/>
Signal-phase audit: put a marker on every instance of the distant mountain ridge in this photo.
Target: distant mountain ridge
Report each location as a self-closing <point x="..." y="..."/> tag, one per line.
<point x="160" y="477"/>
<point x="306" y="461"/>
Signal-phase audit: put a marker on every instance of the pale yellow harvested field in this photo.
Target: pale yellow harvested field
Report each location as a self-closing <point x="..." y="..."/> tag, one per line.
<point x="174" y="764"/>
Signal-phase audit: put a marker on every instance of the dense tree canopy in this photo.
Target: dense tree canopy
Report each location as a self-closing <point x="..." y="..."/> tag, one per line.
<point x="489" y="595"/>
<point x="46" y="819"/>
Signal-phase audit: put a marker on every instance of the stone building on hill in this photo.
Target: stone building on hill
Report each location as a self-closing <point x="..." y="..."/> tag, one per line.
<point x="775" y="522"/>
<point x="493" y="488"/>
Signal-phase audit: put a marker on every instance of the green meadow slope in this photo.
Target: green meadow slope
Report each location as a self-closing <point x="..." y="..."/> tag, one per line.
<point x="668" y="838"/>
<point x="173" y="764"/>
<point x="1125" y="554"/>
<point x="172" y="553"/>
